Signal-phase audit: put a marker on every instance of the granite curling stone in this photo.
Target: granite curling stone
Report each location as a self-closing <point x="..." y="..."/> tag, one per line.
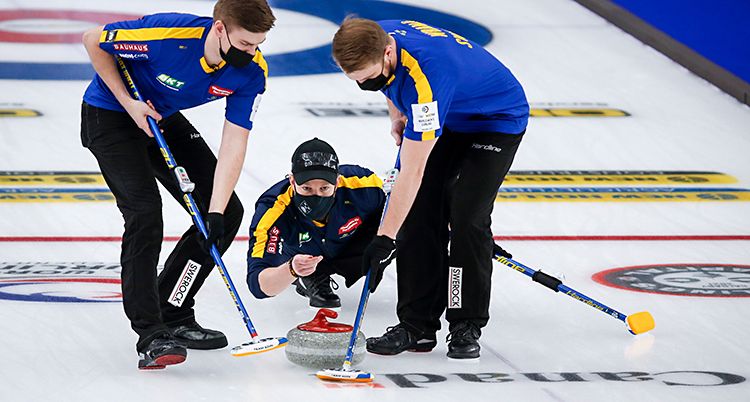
<point x="323" y="344"/>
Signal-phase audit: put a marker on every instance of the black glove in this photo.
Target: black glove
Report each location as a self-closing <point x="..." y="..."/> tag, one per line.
<point x="214" y="228"/>
<point x="378" y="254"/>
<point x="499" y="251"/>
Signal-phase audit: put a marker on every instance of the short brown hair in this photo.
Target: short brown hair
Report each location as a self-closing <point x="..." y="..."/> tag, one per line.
<point x="358" y="44"/>
<point x="251" y="15"/>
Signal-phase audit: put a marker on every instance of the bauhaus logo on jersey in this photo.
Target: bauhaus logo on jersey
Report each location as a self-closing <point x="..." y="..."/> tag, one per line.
<point x="131" y="47"/>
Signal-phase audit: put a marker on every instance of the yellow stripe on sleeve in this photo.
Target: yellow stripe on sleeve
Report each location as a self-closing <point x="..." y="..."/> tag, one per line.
<point x="424" y="91"/>
<point x="267" y="221"/>
<point x="428" y="135"/>
<point x="422" y="85"/>
<point x="361" y="182"/>
<point x="148" y="34"/>
<point x="262" y="63"/>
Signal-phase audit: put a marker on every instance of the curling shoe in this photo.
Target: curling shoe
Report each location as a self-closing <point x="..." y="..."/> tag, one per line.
<point x="463" y="340"/>
<point x="161" y="352"/>
<point x="318" y="290"/>
<point x="397" y="339"/>
<point x="196" y="337"/>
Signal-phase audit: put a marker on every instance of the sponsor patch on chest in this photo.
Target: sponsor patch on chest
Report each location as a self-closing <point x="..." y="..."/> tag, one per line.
<point x="170" y="82"/>
<point x="219" y="91"/>
<point x="351" y="225"/>
<point x="273" y="241"/>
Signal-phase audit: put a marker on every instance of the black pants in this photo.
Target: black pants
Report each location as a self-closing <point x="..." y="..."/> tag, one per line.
<point x="454" y="204"/>
<point x="131" y="163"/>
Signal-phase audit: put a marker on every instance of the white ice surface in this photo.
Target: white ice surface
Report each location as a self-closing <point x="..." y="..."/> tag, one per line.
<point x="563" y="54"/>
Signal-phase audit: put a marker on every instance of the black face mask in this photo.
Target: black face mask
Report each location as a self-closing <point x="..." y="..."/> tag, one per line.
<point x="314" y="207"/>
<point x="374" y="84"/>
<point x="235" y="57"/>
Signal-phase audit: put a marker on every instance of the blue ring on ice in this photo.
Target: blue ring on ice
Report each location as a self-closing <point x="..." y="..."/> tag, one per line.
<point x="304" y="62"/>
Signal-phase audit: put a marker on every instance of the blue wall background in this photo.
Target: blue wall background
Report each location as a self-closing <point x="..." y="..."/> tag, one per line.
<point x="717" y="29"/>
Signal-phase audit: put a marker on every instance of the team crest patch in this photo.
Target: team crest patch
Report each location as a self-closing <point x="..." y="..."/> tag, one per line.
<point x="708" y="280"/>
<point x="111" y="35"/>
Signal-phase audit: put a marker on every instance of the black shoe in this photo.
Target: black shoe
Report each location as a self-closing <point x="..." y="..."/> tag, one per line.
<point x="318" y="290"/>
<point x="161" y="352"/>
<point x="397" y="339"/>
<point x="196" y="337"/>
<point x="463" y="340"/>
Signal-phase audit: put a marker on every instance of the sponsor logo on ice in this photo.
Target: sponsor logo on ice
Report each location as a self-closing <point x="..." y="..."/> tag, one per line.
<point x="60" y="282"/>
<point x="708" y="280"/>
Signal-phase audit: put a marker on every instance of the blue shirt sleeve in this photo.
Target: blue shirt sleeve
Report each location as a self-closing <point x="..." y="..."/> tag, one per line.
<point x="243" y="104"/>
<point x="426" y="96"/>
<point x="140" y="40"/>
<point x="265" y="247"/>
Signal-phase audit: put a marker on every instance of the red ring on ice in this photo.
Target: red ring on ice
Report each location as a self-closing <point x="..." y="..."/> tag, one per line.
<point x="74" y="37"/>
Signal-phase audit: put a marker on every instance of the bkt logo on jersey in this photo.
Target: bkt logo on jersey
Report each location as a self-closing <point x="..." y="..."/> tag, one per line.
<point x="170" y="82"/>
<point x="61" y="290"/>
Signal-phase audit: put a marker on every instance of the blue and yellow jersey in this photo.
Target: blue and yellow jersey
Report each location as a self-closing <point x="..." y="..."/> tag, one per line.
<point x="279" y="231"/>
<point x="165" y="55"/>
<point x="445" y="80"/>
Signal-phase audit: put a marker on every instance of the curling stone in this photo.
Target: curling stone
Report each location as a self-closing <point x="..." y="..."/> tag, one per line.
<point x="323" y="344"/>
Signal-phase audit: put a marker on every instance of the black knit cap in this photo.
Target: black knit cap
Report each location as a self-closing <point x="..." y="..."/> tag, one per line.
<point x="315" y="159"/>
